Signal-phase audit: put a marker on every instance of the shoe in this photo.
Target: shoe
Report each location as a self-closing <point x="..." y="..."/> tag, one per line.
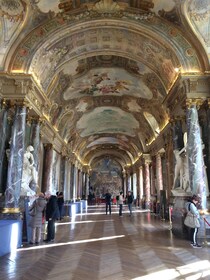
<point x="48" y="240"/>
<point x="197" y="246"/>
<point x="37" y="243"/>
<point x="32" y="243"/>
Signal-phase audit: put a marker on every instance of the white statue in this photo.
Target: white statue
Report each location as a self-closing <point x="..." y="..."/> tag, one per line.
<point x="29" y="172"/>
<point x="181" y="172"/>
<point x="178" y="171"/>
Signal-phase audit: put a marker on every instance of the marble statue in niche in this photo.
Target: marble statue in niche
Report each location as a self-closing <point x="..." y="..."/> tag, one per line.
<point x="29" y="173"/>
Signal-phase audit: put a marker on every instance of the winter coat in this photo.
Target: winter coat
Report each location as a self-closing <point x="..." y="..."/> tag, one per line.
<point x="52" y="210"/>
<point x="108" y="197"/>
<point x="130" y="199"/>
<point x="121" y="199"/>
<point x="190" y="206"/>
<point x="39" y="204"/>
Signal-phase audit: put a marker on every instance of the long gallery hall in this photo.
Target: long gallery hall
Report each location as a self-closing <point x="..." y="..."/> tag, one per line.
<point x="94" y="246"/>
<point x="104" y="101"/>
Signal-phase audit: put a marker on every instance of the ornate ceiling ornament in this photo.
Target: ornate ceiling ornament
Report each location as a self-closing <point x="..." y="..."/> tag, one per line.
<point x="12" y="9"/>
<point x="106" y="6"/>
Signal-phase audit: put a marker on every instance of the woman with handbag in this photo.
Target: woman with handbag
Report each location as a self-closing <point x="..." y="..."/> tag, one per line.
<point x="192" y="220"/>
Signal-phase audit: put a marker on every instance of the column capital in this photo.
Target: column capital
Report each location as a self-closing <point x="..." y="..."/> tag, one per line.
<point x="147" y="158"/>
<point x="208" y="102"/>
<point x="190" y="102"/>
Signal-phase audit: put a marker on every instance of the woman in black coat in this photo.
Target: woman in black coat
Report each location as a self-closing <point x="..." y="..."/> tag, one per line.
<point x="52" y="214"/>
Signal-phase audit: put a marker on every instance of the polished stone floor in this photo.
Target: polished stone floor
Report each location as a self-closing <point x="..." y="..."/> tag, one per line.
<point x="96" y="246"/>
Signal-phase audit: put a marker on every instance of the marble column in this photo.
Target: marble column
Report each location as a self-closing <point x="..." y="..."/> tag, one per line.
<point x="79" y="184"/>
<point x="67" y="180"/>
<point x="35" y="141"/>
<point x="62" y="173"/>
<point x="87" y="180"/>
<point x="197" y="174"/>
<point x="159" y="174"/>
<point x="207" y="160"/>
<point x="141" y="185"/>
<point x="147" y="182"/>
<point x="124" y="186"/>
<point x="72" y="181"/>
<point x="47" y="167"/>
<point x="15" y="166"/>
<point x="152" y="181"/>
<point x="3" y="126"/>
<point x="75" y="184"/>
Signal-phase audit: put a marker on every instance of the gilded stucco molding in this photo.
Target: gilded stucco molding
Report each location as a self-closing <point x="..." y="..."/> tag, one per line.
<point x="197" y="85"/>
<point x="191" y="102"/>
<point x="147" y="158"/>
<point x="13" y="10"/>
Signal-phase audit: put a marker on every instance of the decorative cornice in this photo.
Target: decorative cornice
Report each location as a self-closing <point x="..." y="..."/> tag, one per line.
<point x="191" y="102"/>
<point x="147" y="158"/>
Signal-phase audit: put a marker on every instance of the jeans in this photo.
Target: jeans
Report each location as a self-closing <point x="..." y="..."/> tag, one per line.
<point x="51" y="230"/>
<point x="108" y="205"/>
<point x="120" y="210"/>
<point x="130" y="208"/>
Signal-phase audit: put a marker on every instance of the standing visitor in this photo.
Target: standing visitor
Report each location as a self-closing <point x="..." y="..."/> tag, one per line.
<point x="120" y="203"/>
<point x="191" y="207"/>
<point x="130" y="202"/>
<point x="60" y="200"/>
<point x="35" y="223"/>
<point x="108" y="199"/>
<point x="52" y="214"/>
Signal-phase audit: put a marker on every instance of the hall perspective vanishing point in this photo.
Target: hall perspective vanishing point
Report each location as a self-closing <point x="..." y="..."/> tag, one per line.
<point x="111" y="95"/>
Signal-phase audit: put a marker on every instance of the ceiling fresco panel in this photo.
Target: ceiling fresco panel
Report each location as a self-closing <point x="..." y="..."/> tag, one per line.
<point x="107" y="81"/>
<point x="198" y="13"/>
<point x="107" y="120"/>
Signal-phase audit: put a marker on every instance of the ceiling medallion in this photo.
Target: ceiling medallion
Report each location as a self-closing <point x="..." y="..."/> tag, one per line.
<point x="106" y="6"/>
<point x="12" y="9"/>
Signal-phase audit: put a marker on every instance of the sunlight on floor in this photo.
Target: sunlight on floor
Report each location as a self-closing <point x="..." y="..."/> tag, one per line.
<point x="193" y="271"/>
<point x="69" y="243"/>
<point x="82" y="222"/>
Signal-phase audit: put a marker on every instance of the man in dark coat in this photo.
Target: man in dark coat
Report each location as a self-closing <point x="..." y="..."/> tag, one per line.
<point x="52" y="214"/>
<point x="108" y="199"/>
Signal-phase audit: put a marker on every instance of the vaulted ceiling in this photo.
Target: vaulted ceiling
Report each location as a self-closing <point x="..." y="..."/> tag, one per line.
<point x="106" y="66"/>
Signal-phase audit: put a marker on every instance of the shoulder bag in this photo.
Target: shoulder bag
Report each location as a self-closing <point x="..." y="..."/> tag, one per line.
<point x="32" y="211"/>
<point x="191" y="220"/>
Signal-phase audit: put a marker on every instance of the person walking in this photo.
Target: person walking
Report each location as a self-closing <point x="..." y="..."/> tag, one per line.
<point x="60" y="201"/>
<point x="120" y="203"/>
<point x="52" y="214"/>
<point x="130" y="202"/>
<point x="191" y="207"/>
<point x="35" y="223"/>
<point x="108" y="199"/>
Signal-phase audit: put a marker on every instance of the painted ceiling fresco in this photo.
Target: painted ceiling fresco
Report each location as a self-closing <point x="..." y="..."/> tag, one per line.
<point x="107" y="120"/>
<point x="105" y="66"/>
<point x="107" y="81"/>
<point x="199" y="16"/>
